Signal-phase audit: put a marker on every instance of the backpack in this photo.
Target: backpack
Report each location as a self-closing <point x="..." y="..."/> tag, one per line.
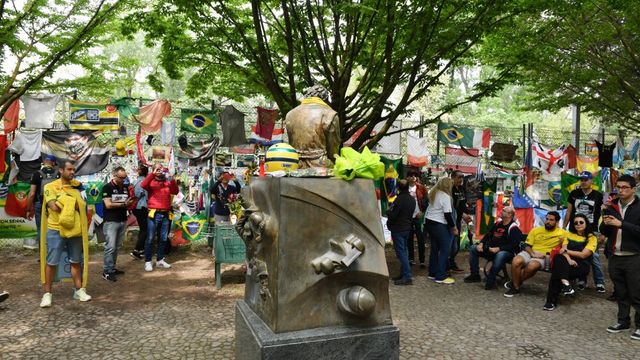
<point x="46" y="177"/>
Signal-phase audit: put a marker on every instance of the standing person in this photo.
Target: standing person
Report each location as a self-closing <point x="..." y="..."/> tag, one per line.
<point x="141" y="212"/>
<point x="461" y="212"/>
<point x="400" y="218"/>
<point x="221" y="192"/>
<point x="38" y="180"/>
<point x="419" y="193"/>
<point x="159" y="190"/>
<point x="441" y="228"/>
<point x="498" y="245"/>
<point x="573" y="261"/>
<point x="60" y="196"/>
<point x="621" y="226"/>
<point x="587" y="201"/>
<point x="540" y="242"/>
<point x="115" y="197"/>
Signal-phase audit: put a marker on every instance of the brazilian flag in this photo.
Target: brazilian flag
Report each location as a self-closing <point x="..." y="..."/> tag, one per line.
<point x="198" y="121"/>
<point x="94" y="192"/>
<point x="192" y="226"/>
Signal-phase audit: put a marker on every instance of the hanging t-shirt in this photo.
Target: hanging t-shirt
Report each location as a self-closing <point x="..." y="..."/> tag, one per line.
<point x="232" y="122"/>
<point x="588" y="205"/>
<point x="26" y="169"/>
<point x="266" y="122"/>
<point x="168" y="133"/>
<point x="572" y="157"/>
<point x="27" y="144"/>
<point x="152" y="114"/>
<point x="605" y="154"/>
<point x="40" y="110"/>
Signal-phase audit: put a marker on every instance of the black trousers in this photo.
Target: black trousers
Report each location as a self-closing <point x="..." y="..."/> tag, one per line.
<point x="141" y="216"/>
<point x="417" y="230"/>
<point x="562" y="270"/>
<point x="625" y="274"/>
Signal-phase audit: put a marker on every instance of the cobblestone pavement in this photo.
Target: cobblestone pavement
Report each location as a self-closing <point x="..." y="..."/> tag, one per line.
<point x="178" y="313"/>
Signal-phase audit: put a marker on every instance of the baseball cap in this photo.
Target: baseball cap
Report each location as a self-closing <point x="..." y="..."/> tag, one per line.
<point x="50" y="158"/>
<point x="121" y="148"/>
<point x="585" y="175"/>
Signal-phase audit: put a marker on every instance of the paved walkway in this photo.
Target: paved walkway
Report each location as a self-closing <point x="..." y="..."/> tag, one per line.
<point x="178" y="313"/>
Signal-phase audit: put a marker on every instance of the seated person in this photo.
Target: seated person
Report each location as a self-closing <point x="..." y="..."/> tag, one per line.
<point x="573" y="261"/>
<point x="498" y="245"/>
<point x="540" y="242"/>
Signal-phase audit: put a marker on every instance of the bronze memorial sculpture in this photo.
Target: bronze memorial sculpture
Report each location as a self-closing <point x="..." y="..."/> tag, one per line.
<point x="317" y="280"/>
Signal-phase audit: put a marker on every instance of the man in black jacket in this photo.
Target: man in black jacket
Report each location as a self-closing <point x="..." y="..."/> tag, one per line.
<point x="399" y="216"/>
<point x="621" y="226"/>
<point x="499" y="245"/>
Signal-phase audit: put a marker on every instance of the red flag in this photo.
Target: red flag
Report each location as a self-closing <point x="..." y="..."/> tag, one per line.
<point x="11" y="117"/>
<point x="526" y="219"/>
<point x="266" y="122"/>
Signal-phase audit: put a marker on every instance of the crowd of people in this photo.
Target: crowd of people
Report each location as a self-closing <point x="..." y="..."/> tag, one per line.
<point x="150" y="198"/>
<point x="567" y="249"/>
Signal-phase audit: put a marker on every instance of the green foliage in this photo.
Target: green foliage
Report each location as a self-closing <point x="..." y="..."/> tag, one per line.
<point x="362" y="51"/>
<point x="576" y="52"/>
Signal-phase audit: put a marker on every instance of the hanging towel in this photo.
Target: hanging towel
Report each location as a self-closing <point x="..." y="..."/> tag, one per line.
<point x="168" y="133"/>
<point x="417" y="153"/>
<point x="40" y="110"/>
<point x="151" y="115"/>
<point x="27" y="144"/>
<point x="232" y="122"/>
<point x="11" y="117"/>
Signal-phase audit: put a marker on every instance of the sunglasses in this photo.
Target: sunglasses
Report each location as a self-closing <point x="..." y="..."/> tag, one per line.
<point x="578" y="223"/>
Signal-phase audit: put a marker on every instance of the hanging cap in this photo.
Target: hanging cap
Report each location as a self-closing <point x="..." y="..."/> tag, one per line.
<point x="585" y="175"/>
<point x="121" y="148"/>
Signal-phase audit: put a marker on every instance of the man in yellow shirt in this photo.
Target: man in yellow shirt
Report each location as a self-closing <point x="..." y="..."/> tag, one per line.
<point x="55" y="242"/>
<point x="540" y="242"/>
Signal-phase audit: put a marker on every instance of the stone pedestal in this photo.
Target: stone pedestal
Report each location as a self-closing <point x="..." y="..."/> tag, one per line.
<point x="254" y="340"/>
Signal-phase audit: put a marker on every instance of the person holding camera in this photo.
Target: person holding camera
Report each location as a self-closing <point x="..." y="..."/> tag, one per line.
<point x="160" y="187"/>
<point x="223" y="193"/>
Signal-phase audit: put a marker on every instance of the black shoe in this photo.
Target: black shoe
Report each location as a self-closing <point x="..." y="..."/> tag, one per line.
<point x="614" y="329"/>
<point x="549" y="307"/>
<point x="109" y="276"/>
<point x="396" y="278"/>
<point x="511" y="292"/>
<point x="403" y="282"/>
<point x="117" y="272"/>
<point x="567" y="290"/>
<point x="473" y="278"/>
<point x="490" y="286"/>
<point x="4" y="296"/>
<point x="601" y="289"/>
<point x="508" y="285"/>
<point x="137" y="255"/>
<point x="581" y="285"/>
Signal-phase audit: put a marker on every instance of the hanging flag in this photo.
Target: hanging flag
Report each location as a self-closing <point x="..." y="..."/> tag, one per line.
<point x="266" y="122"/>
<point x="380" y="183"/>
<point x="18" y="199"/>
<point x="81" y="147"/>
<point x="550" y="161"/>
<point x="586" y="163"/>
<point x="523" y="201"/>
<point x="390" y="183"/>
<point x="198" y="121"/>
<point x="487" y="217"/>
<point x="93" y="190"/>
<point x="93" y="116"/>
<point x="192" y="226"/>
<point x="462" y="136"/>
<point x="152" y="114"/>
<point x="197" y="150"/>
<point x="275" y="138"/>
<point x="465" y="160"/>
<point x="523" y="205"/>
<point x="11" y="117"/>
<point x="417" y="153"/>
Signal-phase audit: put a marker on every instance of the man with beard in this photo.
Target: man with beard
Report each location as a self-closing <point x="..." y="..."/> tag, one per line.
<point x="539" y="244"/>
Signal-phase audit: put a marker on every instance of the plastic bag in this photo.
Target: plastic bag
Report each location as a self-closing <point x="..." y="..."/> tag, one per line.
<point x="351" y="164"/>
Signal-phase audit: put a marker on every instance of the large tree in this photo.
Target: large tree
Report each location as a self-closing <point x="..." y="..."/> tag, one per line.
<point x="360" y="50"/>
<point x="37" y="37"/>
<point x="579" y="52"/>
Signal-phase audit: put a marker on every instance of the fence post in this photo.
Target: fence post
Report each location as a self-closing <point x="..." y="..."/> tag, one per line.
<point x="575" y="117"/>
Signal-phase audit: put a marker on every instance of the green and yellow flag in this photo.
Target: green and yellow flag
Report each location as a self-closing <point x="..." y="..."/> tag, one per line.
<point x="198" y="121"/>
<point x="94" y="192"/>
<point x="192" y="226"/>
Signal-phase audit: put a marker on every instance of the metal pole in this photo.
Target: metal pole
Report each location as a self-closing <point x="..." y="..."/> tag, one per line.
<point x="524" y="143"/>
<point x="575" y="117"/>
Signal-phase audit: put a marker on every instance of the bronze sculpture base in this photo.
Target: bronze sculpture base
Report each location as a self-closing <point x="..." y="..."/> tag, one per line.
<point x="255" y="341"/>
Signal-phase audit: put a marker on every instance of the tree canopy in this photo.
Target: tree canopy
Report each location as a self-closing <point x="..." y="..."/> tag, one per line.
<point x="360" y="50"/>
<point x="576" y="52"/>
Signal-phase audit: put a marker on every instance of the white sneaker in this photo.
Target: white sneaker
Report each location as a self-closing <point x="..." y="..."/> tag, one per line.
<point x="163" y="264"/>
<point x="148" y="266"/>
<point x="81" y="294"/>
<point x="46" y="300"/>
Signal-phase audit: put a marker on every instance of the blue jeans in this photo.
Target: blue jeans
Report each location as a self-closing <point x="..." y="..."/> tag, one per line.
<point x="441" y="238"/>
<point x="159" y="224"/>
<point x="416" y="229"/>
<point x="114" y="232"/>
<point x="56" y="244"/>
<point x="499" y="259"/>
<point x="400" y="240"/>
<point x="37" y="208"/>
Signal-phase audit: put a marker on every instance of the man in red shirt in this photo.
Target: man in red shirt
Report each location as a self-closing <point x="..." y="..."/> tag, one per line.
<point x="160" y="188"/>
